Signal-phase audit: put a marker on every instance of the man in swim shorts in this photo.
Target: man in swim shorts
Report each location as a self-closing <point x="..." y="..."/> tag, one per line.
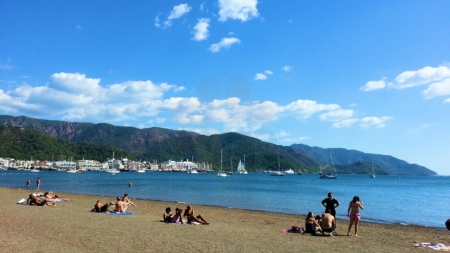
<point x="328" y="222"/>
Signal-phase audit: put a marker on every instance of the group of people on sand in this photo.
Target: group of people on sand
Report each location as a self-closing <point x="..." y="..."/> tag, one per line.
<point x="326" y="223"/>
<point x="121" y="205"/>
<point x="188" y="216"/>
<point x="44" y="199"/>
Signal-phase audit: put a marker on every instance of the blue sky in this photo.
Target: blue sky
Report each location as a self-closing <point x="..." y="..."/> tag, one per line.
<point x="370" y="76"/>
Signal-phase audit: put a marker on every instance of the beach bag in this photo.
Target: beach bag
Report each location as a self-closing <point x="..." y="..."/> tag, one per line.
<point x="295" y="229"/>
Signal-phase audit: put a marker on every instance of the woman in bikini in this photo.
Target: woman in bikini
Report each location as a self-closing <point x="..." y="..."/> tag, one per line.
<point x="189" y="213"/>
<point x="177" y="217"/>
<point x="353" y="214"/>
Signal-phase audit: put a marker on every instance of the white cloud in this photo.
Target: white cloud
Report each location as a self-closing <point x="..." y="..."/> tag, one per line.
<point x="440" y="88"/>
<point x="177" y="12"/>
<point x="74" y="96"/>
<point x="363" y="122"/>
<point x="336" y="115"/>
<point x="160" y="120"/>
<point x="373" y="85"/>
<point x="447" y="100"/>
<point x="6" y="66"/>
<point x="306" y="108"/>
<point x="224" y="43"/>
<point x="437" y="79"/>
<point x="157" y="21"/>
<point x="204" y="131"/>
<point x="287" y="68"/>
<point x="422" y="76"/>
<point x="201" y="30"/>
<point x="260" y="76"/>
<point x="243" y="10"/>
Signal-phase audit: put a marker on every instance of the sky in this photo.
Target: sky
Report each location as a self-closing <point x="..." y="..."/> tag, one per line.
<point x="372" y="76"/>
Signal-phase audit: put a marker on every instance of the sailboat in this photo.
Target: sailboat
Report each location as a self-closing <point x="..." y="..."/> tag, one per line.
<point x="373" y="172"/>
<point x="221" y="173"/>
<point x="229" y="173"/>
<point x="279" y="172"/>
<point x="241" y="167"/>
<point x="329" y="175"/>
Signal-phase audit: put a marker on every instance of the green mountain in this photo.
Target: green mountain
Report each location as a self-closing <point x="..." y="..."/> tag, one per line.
<point x="350" y="161"/>
<point x="259" y="155"/>
<point x="24" y="144"/>
<point x="163" y="144"/>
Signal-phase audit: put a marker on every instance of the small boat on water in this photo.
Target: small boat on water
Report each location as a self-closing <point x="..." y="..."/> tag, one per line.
<point x="241" y="167"/>
<point x="277" y="172"/>
<point x="329" y="175"/>
<point x="373" y="172"/>
<point x="221" y="173"/>
<point x="35" y="170"/>
<point x="289" y="171"/>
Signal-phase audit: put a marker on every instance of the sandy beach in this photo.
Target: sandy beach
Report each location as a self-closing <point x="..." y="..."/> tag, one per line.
<point x="72" y="227"/>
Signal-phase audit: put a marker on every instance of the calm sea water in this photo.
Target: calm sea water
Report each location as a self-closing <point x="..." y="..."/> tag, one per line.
<point x="387" y="199"/>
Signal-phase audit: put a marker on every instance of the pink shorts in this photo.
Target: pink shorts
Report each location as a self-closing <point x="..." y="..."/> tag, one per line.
<point x="355" y="216"/>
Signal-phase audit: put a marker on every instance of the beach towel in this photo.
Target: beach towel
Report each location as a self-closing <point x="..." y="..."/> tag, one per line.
<point x="121" y="214"/>
<point x="435" y="246"/>
<point x="21" y="201"/>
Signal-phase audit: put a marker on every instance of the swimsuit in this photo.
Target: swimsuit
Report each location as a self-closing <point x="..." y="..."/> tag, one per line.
<point x="329" y="230"/>
<point x="355" y="216"/>
<point x="43" y="203"/>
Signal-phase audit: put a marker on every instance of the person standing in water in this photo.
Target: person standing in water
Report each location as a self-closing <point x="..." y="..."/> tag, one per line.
<point x="353" y="214"/>
<point x="28" y="183"/>
<point x="130" y="184"/>
<point x="38" y="183"/>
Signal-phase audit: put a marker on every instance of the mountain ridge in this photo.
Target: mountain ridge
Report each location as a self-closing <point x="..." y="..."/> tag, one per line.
<point x="163" y="144"/>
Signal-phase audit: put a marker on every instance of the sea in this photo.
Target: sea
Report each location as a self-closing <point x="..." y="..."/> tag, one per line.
<point x="419" y="200"/>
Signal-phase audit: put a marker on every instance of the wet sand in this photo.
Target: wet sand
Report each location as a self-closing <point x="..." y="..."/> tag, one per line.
<point x="72" y="227"/>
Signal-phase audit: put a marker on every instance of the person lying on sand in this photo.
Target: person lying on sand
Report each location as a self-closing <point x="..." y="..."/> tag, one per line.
<point x="189" y="213"/>
<point x="100" y="208"/>
<point x="36" y="201"/>
<point x="54" y="198"/>
<point x="167" y="216"/>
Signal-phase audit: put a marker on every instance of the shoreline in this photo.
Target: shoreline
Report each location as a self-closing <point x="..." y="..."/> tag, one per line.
<point x="72" y="227"/>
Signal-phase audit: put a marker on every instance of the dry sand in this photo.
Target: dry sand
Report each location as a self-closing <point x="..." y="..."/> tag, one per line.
<point x="72" y="227"/>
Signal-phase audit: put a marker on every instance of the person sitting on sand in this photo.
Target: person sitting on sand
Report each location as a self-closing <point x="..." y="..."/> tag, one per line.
<point x="328" y="222"/>
<point x="120" y="204"/>
<point x="311" y="224"/>
<point x="177" y="217"/>
<point x="189" y="213"/>
<point x="353" y="213"/>
<point x="319" y="223"/>
<point x="127" y="202"/>
<point x="100" y="208"/>
<point x="167" y="216"/>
